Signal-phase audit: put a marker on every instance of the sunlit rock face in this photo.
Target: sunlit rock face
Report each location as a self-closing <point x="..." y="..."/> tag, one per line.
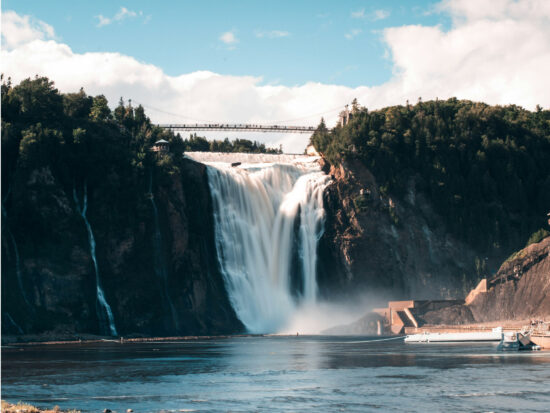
<point x="386" y="247"/>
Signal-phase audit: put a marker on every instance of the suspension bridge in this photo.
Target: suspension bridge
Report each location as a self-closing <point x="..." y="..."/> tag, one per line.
<point x="240" y="127"/>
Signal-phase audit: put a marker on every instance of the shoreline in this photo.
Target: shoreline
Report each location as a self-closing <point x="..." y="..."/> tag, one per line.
<point x="37" y="340"/>
<point x="52" y="339"/>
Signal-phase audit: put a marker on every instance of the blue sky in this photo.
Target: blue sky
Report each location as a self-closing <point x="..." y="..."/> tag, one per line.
<point x="285" y="61"/>
<point x="284" y="42"/>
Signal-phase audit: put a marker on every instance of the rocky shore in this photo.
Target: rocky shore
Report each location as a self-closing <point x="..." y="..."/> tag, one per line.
<point x="27" y="408"/>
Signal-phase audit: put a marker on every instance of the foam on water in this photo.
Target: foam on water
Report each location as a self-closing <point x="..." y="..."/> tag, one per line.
<point x="268" y="215"/>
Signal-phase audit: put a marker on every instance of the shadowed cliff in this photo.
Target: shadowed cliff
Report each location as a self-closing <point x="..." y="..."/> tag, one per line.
<point x="95" y="222"/>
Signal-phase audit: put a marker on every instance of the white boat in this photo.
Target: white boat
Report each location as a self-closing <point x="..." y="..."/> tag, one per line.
<point x="494" y="335"/>
<point x="509" y="341"/>
<point x="514" y="341"/>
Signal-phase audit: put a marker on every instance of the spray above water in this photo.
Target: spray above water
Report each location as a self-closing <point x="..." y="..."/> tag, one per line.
<point x="268" y="220"/>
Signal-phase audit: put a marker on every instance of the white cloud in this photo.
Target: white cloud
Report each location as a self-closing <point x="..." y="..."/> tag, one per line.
<point x="273" y="34"/>
<point x="470" y="10"/>
<point x="500" y="55"/>
<point x="122" y="14"/>
<point x="353" y="33"/>
<point x="18" y="30"/>
<point x="496" y="51"/>
<point x="228" y="38"/>
<point x="103" y="21"/>
<point x="359" y="14"/>
<point x="380" y="15"/>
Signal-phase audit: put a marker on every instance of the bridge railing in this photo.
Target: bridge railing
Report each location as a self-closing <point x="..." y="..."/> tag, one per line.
<point x="238" y="127"/>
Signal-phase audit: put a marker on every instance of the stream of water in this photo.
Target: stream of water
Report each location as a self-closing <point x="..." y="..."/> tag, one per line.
<point x="104" y="313"/>
<point x="268" y="215"/>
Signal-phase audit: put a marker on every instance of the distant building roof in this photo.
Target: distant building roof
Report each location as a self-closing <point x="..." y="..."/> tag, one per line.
<point x="161" y="141"/>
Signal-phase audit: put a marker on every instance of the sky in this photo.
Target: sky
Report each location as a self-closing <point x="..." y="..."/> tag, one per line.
<point x="289" y="62"/>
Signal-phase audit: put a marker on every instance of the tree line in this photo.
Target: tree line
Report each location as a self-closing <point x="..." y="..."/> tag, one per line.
<point x="75" y="134"/>
<point x="486" y="169"/>
<point x="201" y="144"/>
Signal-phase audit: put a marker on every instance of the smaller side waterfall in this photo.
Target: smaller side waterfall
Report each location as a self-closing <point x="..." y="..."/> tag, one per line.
<point x="13" y="323"/>
<point x="160" y="264"/>
<point x="104" y="313"/>
<point x="18" y="268"/>
<point x="17" y="259"/>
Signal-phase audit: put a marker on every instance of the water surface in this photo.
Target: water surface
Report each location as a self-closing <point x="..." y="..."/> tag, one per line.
<point x="306" y="373"/>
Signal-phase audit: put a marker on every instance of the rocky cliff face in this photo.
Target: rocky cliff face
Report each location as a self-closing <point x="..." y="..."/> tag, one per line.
<point x="519" y="291"/>
<point x="376" y="244"/>
<point x="48" y="278"/>
<point x="521" y="288"/>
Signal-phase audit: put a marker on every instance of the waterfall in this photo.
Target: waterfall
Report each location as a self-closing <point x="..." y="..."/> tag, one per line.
<point x="160" y="264"/>
<point x="18" y="268"/>
<point x="18" y="274"/>
<point x="103" y="309"/>
<point x="13" y="323"/>
<point x="268" y="220"/>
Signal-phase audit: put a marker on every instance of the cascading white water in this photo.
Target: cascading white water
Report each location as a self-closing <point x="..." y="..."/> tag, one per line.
<point x="105" y="315"/>
<point x="268" y="221"/>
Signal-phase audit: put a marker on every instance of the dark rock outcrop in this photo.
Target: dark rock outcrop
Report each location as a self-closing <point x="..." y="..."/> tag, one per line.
<point x="48" y="280"/>
<point x="519" y="291"/>
<point x="521" y="288"/>
<point x="453" y="315"/>
<point x="374" y="243"/>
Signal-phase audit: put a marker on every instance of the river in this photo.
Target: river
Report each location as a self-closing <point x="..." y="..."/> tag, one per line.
<point x="277" y="373"/>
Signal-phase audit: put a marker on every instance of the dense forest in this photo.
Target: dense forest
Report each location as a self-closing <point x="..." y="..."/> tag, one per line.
<point x="86" y="202"/>
<point x="73" y="132"/>
<point x="486" y="169"/>
<point x="85" y="146"/>
<point x="200" y="144"/>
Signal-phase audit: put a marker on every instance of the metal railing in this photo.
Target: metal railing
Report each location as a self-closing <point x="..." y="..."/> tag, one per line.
<point x="241" y="127"/>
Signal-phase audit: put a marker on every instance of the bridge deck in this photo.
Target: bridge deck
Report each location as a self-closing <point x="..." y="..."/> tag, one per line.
<point x="238" y="127"/>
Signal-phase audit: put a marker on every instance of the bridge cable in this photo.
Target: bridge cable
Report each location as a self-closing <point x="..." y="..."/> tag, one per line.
<point x="260" y="123"/>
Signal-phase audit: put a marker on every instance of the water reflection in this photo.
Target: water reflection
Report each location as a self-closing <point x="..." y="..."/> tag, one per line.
<point x="276" y="373"/>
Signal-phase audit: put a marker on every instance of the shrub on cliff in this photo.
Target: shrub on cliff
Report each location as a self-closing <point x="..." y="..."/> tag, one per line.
<point x="538" y="236"/>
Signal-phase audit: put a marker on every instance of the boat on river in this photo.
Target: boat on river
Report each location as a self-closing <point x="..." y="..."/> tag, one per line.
<point x="514" y="341"/>
<point x="494" y="335"/>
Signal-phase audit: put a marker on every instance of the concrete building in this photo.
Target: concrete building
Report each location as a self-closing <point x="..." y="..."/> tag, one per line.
<point x="399" y="315"/>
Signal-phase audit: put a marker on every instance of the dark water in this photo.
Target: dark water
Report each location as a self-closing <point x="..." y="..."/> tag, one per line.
<point x="278" y="374"/>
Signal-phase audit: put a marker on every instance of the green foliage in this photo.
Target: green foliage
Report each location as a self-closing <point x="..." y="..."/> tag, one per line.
<point x="361" y="203"/>
<point x="485" y="169"/>
<point x="538" y="236"/>
<point x="40" y="146"/>
<point x="38" y="100"/>
<point x="200" y="144"/>
<point x="100" y="110"/>
<point x="78" y="139"/>
<point x="77" y="105"/>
